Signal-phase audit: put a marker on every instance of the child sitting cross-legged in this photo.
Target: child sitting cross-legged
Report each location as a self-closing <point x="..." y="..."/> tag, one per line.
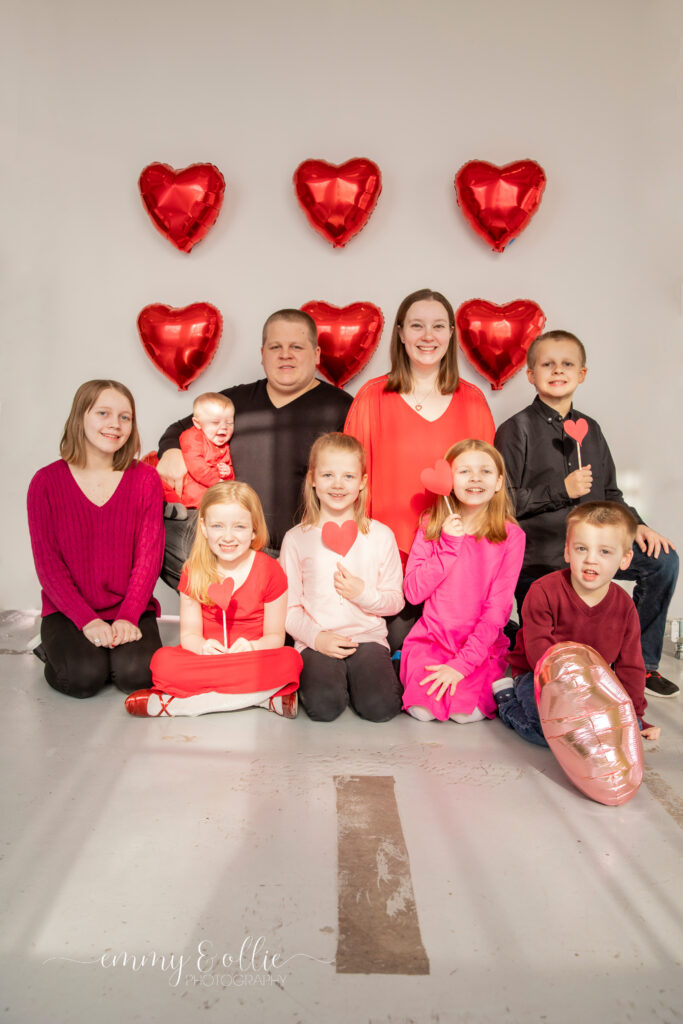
<point x="580" y="604"/>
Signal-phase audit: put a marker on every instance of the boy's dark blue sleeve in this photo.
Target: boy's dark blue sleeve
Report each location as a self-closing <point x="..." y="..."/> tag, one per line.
<point x="533" y="491"/>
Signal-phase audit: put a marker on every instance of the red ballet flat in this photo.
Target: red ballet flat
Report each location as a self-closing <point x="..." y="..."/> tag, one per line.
<point x="136" y="703"/>
<point x="286" y="706"/>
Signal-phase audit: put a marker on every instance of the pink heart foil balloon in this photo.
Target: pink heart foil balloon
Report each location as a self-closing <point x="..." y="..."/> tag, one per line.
<point x="221" y="593"/>
<point x="340" y="538"/>
<point x="576" y="429"/>
<point x="439" y="478"/>
<point x="589" y="722"/>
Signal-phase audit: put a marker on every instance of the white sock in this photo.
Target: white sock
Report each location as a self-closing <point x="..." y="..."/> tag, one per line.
<point x="206" y="703"/>
<point x="505" y="683"/>
<point x="422" y="715"/>
<point x="475" y="716"/>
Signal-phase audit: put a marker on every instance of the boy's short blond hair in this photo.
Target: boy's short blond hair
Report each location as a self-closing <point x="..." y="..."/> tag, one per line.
<point x="553" y="336"/>
<point x="212" y="396"/>
<point x="605" y="513"/>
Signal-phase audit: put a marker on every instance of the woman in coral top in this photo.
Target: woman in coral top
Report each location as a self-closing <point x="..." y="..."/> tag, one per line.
<point x="407" y="419"/>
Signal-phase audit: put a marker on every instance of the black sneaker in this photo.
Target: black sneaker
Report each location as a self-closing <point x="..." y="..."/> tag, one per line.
<point x="503" y="691"/>
<point x="656" y="685"/>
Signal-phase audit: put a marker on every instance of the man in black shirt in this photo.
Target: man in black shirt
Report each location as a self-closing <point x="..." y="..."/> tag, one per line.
<point x="276" y="422"/>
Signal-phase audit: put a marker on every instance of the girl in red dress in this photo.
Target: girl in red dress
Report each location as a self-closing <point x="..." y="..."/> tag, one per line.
<point x="237" y="658"/>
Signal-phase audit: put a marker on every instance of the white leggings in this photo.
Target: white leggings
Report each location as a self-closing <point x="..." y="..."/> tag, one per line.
<point x="206" y="703"/>
<point x="423" y="715"/>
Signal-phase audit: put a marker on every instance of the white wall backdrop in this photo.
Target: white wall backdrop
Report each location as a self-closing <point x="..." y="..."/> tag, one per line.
<point x="92" y="92"/>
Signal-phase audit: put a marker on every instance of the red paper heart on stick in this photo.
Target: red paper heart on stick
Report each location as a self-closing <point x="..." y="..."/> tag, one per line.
<point x="338" y="198"/>
<point x="221" y="593"/>
<point x="439" y="478"/>
<point x="184" y="205"/>
<point x="576" y="429"/>
<point x="496" y="338"/>
<point x="499" y="202"/>
<point x="347" y="335"/>
<point x="180" y="342"/>
<point x="340" y="538"/>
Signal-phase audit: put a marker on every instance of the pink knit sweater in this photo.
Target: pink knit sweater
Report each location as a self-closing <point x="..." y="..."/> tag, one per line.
<point x="96" y="562"/>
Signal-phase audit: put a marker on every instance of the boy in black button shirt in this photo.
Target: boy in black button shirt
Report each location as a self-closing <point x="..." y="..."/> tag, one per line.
<point x="546" y="482"/>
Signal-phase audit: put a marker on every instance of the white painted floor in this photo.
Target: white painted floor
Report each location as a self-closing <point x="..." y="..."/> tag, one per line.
<point x="124" y="835"/>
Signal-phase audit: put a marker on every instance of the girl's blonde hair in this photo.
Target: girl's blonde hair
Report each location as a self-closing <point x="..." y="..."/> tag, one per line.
<point x="72" y="446"/>
<point x="500" y="509"/>
<point x="202" y="565"/>
<point x="349" y="446"/>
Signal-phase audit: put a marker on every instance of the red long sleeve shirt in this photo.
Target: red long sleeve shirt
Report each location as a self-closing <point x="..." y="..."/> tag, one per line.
<point x="553" y="613"/>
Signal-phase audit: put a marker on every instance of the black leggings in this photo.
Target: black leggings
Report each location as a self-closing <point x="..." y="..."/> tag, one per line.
<point x="366" y="677"/>
<point x="78" y="668"/>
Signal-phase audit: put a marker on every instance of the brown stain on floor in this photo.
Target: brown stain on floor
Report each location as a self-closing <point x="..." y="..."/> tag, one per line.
<point x="664" y="795"/>
<point x="379" y="931"/>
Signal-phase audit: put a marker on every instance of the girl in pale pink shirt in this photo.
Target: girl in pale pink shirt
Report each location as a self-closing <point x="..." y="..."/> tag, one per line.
<point x="344" y="576"/>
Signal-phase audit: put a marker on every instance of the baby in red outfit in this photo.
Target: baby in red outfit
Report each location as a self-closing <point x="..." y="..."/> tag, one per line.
<point x="206" y="452"/>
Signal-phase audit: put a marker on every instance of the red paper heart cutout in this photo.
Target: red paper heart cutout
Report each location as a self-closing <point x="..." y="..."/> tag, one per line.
<point x="496" y="338"/>
<point x="338" y="198"/>
<point x="180" y="342"/>
<point x="439" y="479"/>
<point x="499" y="202"/>
<point x="347" y="335"/>
<point x="221" y="593"/>
<point x="577" y="429"/>
<point x="184" y="205"/>
<point x="340" y="538"/>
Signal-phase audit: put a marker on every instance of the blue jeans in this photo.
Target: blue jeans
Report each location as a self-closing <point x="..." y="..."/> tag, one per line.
<point x="655" y="584"/>
<point x="520" y="712"/>
<point x="655" y="580"/>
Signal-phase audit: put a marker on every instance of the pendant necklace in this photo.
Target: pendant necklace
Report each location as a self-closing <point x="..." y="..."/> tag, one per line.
<point x="418" y="405"/>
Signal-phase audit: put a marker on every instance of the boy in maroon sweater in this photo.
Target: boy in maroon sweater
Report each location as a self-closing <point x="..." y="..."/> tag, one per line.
<point x="583" y="605"/>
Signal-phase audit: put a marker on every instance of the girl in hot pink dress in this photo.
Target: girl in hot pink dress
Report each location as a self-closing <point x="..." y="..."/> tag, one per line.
<point x="464" y="564"/>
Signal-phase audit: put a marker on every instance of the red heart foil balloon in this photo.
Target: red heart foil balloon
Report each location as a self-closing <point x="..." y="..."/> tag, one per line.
<point x="589" y="722"/>
<point x="180" y="342"/>
<point x="338" y="198"/>
<point x="347" y="335"/>
<point x="340" y="538"/>
<point x="439" y="479"/>
<point x="496" y="338"/>
<point x="221" y="593"/>
<point x="499" y="202"/>
<point x="184" y="205"/>
<point x="576" y="429"/>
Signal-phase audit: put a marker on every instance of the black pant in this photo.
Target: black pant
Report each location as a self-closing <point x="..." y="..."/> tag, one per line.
<point x="399" y="625"/>
<point x="77" y="668"/>
<point x="366" y="678"/>
<point x="179" y="536"/>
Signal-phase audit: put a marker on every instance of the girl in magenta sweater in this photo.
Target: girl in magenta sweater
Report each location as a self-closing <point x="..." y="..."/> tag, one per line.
<point x="95" y="518"/>
<point x="464" y="565"/>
